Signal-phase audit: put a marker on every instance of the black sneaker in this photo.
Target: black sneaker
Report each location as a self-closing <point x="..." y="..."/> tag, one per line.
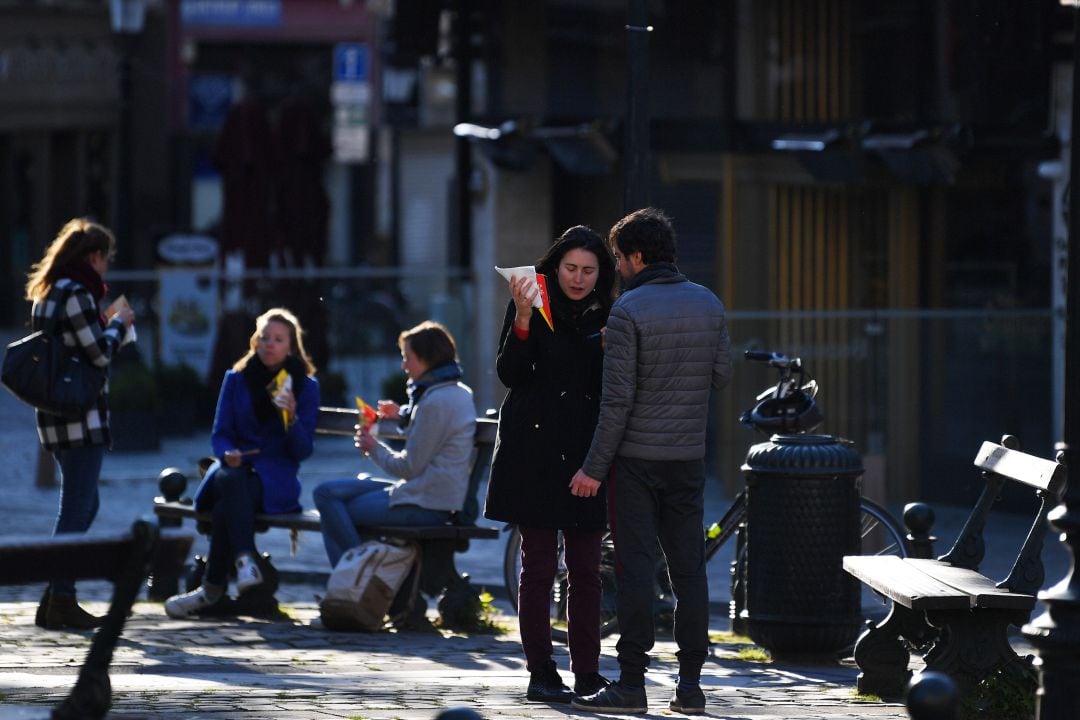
<point x="546" y="686"/>
<point x="689" y="701"/>
<point x="616" y="698"/>
<point x="586" y="684"/>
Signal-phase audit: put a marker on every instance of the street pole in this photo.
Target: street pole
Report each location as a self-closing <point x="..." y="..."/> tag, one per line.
<point x="122" y="217"/>
<point x="636" y="133"/>
<point x="462" y="33"/>
<point x="1056" y="633"/>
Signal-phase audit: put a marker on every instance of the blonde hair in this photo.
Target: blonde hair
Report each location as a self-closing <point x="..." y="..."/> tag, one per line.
<point x="76" y="240"/>
<point x="296" y="334"/>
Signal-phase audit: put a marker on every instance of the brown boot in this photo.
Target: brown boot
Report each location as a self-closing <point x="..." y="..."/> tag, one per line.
<point x="43" y="606"/>
<point x="64" y="612"/>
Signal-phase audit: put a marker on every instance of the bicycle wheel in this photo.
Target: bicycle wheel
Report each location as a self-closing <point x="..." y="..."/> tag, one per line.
<point x="880" y="534"/>
<point x="879" y="531"/>
<point x="558" y="599"/>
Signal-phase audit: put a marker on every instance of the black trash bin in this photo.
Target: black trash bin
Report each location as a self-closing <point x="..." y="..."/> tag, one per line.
<point x="802" y="518"/>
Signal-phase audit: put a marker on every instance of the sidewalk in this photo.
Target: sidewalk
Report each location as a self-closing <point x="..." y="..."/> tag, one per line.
<point x="256" y="669"/>
<point x="286" y="670"/>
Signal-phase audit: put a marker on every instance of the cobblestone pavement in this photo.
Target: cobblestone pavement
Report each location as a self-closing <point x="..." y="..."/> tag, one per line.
<point x="289" y="669"/>
<point x="247" y="668"/>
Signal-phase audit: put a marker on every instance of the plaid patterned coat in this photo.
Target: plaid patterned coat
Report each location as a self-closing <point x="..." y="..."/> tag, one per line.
<point x="73" y="306"/>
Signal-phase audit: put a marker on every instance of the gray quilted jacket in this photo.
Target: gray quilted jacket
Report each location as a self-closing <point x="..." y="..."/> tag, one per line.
<point x="666" y="346"/>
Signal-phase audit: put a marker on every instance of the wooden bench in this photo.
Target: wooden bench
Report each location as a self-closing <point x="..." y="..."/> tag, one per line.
<point x="122" y="558"/>
<point x="437" y="543"/>
<point x="946" y="604"/>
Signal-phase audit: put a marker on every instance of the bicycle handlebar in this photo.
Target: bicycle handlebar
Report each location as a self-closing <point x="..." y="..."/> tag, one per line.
<point x="773" y="359"/>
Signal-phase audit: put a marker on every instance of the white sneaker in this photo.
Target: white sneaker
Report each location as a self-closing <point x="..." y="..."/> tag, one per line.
<point x="183" y="606"/>
<point x="247" y="574"/>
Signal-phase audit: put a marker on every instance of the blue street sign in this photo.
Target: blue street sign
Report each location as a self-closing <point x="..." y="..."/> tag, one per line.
<point x="350" y="62"/>
<point x="231" y="13"/>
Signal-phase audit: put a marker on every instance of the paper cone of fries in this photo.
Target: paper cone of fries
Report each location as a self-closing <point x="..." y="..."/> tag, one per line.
<point x="368" y="414"/>
<point x="281" y="383"/>
<point x="540" y="302"/>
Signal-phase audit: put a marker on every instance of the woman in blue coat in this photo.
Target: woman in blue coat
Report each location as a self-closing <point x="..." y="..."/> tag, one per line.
<point x="263" y="428"/>
<point x="545" y="426"/>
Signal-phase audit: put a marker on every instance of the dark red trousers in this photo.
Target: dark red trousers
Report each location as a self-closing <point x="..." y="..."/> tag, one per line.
<point x="539" y="562"/>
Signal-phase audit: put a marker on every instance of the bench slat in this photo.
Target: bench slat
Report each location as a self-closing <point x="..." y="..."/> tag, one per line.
<point x="309" y="520"/>
<point x="906" y="584"/>
<point x="1021" y="467"/>
<point x="984" y="591"/>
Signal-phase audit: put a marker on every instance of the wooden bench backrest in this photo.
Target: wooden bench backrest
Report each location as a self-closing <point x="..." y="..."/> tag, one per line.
<point x="1000" y="464"/>
<point x="1020" y="467"/>
<point x="342" y="421"/>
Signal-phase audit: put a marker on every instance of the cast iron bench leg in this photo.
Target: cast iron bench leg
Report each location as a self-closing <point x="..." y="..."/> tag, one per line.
<point x="883" y="657"/>
<point x="459" y="604"/>
<point x="976" y="644"/>
<point x="166" y="569"/>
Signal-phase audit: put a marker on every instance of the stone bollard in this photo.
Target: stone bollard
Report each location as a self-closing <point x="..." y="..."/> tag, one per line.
<point x="919" y="520"/>
<point x="932" y="696"/>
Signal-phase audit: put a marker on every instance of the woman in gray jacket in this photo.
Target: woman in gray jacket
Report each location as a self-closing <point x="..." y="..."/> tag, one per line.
<point x="432" y="470"/>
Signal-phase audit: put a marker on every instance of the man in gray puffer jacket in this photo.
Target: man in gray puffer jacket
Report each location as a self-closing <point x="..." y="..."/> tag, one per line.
<point x="666" y="347"/>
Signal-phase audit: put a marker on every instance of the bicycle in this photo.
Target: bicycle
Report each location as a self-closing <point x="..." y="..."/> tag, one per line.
<point x="788" y="407"/>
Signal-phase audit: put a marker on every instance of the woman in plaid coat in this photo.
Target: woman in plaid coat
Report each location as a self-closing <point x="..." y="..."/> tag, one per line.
<point x="67" y="286"/>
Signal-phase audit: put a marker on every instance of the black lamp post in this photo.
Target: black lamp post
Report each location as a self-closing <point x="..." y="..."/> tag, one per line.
<point x="1056" y="633"/>
<point x="128" y="17"/>
<point x="636" y="142"/>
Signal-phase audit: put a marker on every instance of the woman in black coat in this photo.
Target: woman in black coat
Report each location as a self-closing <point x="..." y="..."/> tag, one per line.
<point x="545" y="426"/>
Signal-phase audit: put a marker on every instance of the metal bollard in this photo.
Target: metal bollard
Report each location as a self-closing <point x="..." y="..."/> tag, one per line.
<point x="164" y="579"/>
<point x="172" y="484"/>
<point x="932" y="696"/>
<point x="919" y="520"/>
<point x="459" y="713"/>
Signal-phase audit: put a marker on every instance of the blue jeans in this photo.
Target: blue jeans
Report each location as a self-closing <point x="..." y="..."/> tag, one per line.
<point x="345" y="505"/>
<point x="80" y="468"/>
<point x="234" y="496"/>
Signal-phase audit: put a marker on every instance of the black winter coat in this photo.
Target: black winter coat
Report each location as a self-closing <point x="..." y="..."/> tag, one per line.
<point x="546" y="423"/>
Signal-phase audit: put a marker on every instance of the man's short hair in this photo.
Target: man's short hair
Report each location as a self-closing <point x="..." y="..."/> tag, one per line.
<point x="648" y="231"/>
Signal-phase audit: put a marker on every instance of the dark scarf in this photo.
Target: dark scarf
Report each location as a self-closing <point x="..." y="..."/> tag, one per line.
<point x="567" y="313"/>
<point x="416" y="388"/>
<point x="654" y="271"/>
<point x="257" y="376"/>
<point x="81" y="272"/>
